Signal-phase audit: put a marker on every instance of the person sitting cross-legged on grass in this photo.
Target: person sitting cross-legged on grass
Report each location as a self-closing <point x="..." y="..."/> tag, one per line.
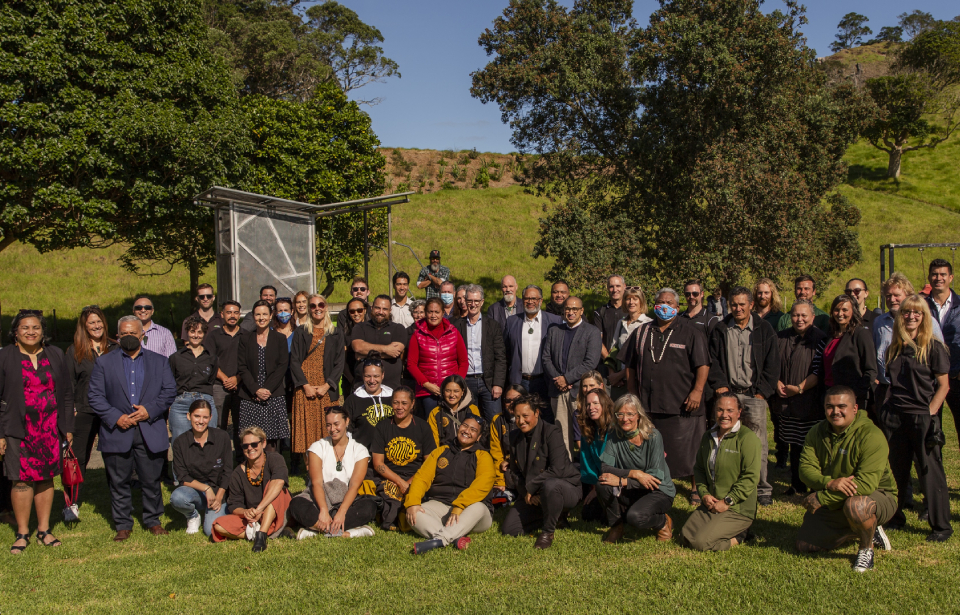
<point x="727" y="472"/>
<point x="449" y="496"/>
<point x="258" y="500"/>
<point x="538" y="468"/>
<point x="634" y="475"/>
<point x="844" y="462"/>
<point x="330" y="504"/>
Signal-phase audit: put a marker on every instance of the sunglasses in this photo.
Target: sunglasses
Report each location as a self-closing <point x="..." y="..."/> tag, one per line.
<point x="374" y="362"/>
<point x="207" y="296"/>
<point x="247" y="445"/>
<point x="853" y="291"/>
<point x="691" y="294"/>
<point x="357" y="311"/>
<point x="317" y="306"/>
<point x="634" y="288"/>
<point x="142" y="308"/>
<point x="358" y="289"/>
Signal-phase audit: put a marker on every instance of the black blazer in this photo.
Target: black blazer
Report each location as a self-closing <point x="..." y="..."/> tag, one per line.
<point x="498" y="311"/>
<point x="854" y="362"/>
<point x="493" y="353"/>
<point x="13" y="409"/>
<point x="334" y="354"/>
<point x="277" y="360"/>
<point x="543" y="457"/>
<point x="764" y="356"/>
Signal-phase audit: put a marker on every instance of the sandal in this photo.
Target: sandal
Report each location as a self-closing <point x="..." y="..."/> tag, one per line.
<point x="15" y="550"/>
<point x="695" y="500"/>
<point x="41" y="535"/>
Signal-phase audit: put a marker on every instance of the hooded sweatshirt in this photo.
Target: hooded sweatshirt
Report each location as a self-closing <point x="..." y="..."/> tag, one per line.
<point x="366" y="411"/>
<point x="860" y="451"/>
<point x="445" y="421"/>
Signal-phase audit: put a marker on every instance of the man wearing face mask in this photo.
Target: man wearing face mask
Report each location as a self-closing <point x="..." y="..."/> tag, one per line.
<point x="432" y="276"/>
<point x="508" y="306"/>
<point x="130" y="391"/>
<point x="667" y="367"/>
<point x="447" y="294"/>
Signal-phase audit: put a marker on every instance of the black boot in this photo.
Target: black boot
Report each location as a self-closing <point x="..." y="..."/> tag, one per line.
<point x="427" y="545"/>
<point x="260" y="542"/>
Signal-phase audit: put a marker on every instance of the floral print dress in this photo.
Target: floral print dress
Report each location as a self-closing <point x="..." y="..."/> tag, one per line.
<point x="40" y="449"/>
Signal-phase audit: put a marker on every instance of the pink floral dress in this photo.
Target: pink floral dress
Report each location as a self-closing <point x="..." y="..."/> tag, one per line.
<point x="40" y="449"/>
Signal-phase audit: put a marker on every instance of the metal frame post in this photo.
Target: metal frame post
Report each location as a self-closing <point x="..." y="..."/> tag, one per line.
<point x="390" y="249"/>
<point x="366" y="251"/>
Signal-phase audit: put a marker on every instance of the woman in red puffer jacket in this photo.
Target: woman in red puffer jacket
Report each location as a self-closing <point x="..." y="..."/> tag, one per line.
<point x="436" y="351"/>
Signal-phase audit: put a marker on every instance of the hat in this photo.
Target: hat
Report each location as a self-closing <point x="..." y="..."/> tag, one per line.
<point x="435" y="254"/>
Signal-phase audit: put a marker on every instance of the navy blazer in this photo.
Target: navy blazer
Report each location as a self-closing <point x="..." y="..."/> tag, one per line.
<point x="110" y="399"/>
<point x="498" y="311"/>
<point x="950" y="329"/>
<point x="513" y="337"/>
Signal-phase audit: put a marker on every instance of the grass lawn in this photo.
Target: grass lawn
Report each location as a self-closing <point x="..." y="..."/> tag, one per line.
<point x="188" y="574"/>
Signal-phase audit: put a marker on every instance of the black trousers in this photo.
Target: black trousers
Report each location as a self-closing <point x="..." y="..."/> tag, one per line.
<point x="556" y="497"/>
<point x="85" y="430"/>
<point x="906" y="434"/>
<point x="539" y="385"/>
<point x="795" y="481"/>
<point x="782" y="447"/>
<point x="120" y="468"/>
<point x="645" y="509"/>
<point x="228" y="408"/>
<point x="305" y="513"/>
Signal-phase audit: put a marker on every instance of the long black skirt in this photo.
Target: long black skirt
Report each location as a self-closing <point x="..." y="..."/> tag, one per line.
<point x="681" y="440"/>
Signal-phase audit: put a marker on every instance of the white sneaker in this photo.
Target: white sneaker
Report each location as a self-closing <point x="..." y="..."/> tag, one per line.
<point x="304" y="533"/>
<point x="252" y="529"/>
<point x="193" y="523"/>
<point x="359" y="532"/>
<point x="71" y="513"/>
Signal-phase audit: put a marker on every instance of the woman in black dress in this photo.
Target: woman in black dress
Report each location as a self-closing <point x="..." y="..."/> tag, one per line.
<point x="262" y="361"/>
<point x="849" y="357"/>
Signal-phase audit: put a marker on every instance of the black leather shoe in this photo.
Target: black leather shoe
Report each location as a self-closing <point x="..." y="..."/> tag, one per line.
<point x="544" y="540"/>
<point x="939" y="536"/>
<point x="614" y="535"/>
<point x="260" y="542"/>
<point x="765" y="500"/>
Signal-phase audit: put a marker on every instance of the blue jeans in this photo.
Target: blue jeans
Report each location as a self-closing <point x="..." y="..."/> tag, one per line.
<point x="429" y="403"/>
<point x="188" y="501"/>
<point x="482" y="397"/>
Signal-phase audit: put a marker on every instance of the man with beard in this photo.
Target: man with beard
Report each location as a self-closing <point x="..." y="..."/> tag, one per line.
<point x="224" y="343"/>
<point x="607" y="317"/>
<point x="805" y="287"/>
<point x="524" y="337"/>
<point x="506" y="307"/>
<point x="433" y="275"/>
<point x="558" y="295"/>
<point x="382" y="336"/>
<point x="206" y="309"/>
<point x="695" y="312"/>
<point x="400" y="309"/>
<point x="767" y="302"/>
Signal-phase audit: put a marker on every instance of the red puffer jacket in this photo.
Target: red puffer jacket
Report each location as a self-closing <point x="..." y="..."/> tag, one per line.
<point x="435" y="354"/>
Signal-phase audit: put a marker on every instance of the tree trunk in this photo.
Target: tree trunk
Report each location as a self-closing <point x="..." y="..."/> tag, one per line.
<point x="893" y="167"/>
<point x="328" y="288"/>
<point x="6" y="242"/>
<point x="194" y="267"/>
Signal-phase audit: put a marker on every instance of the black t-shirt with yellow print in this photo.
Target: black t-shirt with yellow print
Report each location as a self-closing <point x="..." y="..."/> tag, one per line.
<point x="403" y="449"/>
<point x="366" y="412"/>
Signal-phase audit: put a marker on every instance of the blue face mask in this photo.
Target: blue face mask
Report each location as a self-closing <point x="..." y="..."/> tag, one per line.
<point x="284" y="317"/>
<point x="447" y="298"/>
<point x="665" y="312"/>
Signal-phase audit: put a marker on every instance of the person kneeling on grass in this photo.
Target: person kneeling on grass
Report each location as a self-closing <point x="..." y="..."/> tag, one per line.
<point x="455" y="481"/>
<point x="258" y="500"/>
<point x="844" y="462"/>
<point x="635" y="477"/>
<point x="727" y="471"/>
<point x="203" y="463"/>
<point x="330" y="504"/>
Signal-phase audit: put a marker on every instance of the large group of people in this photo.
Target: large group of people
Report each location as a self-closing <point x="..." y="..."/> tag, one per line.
<point x="426" y="416"/>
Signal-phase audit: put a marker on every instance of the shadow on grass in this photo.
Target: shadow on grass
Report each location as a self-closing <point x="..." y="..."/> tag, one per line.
<point x="859" y="171"/>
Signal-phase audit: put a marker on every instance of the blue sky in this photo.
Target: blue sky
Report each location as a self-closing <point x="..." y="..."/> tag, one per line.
<point x="435" y="44"/>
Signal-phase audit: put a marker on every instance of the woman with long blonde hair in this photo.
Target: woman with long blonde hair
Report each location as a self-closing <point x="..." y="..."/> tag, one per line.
<point x="918" y="366"/>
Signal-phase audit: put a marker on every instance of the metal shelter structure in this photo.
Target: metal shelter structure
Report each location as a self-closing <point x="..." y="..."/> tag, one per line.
<point x="887" y="255"/>
<point x="264" y="240"/>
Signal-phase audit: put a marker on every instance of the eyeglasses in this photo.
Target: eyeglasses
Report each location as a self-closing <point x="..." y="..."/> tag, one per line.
<point x="853" y="291"/>
<point x="573" y="309"/>
<point x="532" y="299"/>
<point x="474" y="302"/>
<point x="356" y="311"/>
<point x="142" y="308"/>
<point x="625" y="415"/>
<point x="317" y="306"/>
<point x="913" y="313"/>
<point x="207" y="296"/>
<point x="358" y="289"/>
<point x="693" y="294"/>
<point x="247" y="445"/>
<point x="470" y="429"/>
<point x="125" y="334"/>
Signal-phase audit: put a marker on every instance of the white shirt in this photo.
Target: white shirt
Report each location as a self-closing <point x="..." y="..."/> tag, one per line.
<point x="400" y="314"/>
<point x="944" y="308"/>
<point x="351" y="455"/>
<point x="529" y="344"/>
<point x="474" y="356"/>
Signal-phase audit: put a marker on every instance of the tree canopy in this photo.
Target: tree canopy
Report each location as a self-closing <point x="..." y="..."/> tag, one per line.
<point x="705" y="145"/>
<point x="852" y="30"/>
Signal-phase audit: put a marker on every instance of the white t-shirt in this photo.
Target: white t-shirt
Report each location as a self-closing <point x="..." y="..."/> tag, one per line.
<point x="351" y="455"/>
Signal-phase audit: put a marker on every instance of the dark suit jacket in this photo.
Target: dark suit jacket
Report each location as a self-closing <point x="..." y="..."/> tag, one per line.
<point x="248" y="367"/>
<point x="764" y="356"/>
<point x="13" y="411"/>
<point x="498" y="311"/>
<point x="951" y="330"/>
<point x="583" y="356"/>
<point x="549" y="459"/>
<point x="110" y="398"/>
<point x="513" y="338"/>
<point x="854" y="362"/>
<point x="334" y="353"/>
<point x="492" y="351"/>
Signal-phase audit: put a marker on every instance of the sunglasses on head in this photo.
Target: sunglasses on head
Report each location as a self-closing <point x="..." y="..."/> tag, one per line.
<point x="358" y="289"/>
<point x="634" y="288"/>
<point x="374" y="362"/>
<point x="247" y="445"/>
<point x="320" y="305"/>
<point x="30" y="312"/>
<point x="90" y="307"/>
<point x="142" y="308"/>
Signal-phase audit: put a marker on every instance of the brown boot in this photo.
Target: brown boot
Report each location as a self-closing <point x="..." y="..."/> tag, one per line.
<point x="544" y="540"/>
<point x="615" y="534"/>
<point x="665" y="533"/>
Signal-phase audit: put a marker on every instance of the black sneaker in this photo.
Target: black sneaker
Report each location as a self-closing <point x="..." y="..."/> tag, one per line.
<point x="863" y="561"/>
<point x="939" y="536"/>
<point x="765" y="500"/>
<point x="880" y="539"/>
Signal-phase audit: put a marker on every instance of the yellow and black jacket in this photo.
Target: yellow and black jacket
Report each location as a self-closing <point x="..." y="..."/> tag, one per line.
<point x="455" y="477"/>
<point x="500" y="428"/>
<point x="444" y="422"/>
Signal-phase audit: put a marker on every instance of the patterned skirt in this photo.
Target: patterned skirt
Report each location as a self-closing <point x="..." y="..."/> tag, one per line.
<point x="270" y="416"/>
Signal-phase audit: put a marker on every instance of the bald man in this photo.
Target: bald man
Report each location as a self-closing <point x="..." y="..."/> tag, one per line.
<point x="507" y="306"/>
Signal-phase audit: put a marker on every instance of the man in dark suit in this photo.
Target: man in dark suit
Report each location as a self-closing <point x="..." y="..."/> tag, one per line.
<point x="524" y="337"/>
<point x="506" y="307"/>
<point x="486" y="357"/>
<point x="130" y="391"/>
<point x="570" y="351"/>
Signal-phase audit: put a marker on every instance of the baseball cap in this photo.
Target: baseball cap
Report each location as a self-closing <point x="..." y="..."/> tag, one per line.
<point x="435" y="254"/>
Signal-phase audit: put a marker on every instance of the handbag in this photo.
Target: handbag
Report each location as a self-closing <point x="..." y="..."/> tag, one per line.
<point x="71" y="476"/>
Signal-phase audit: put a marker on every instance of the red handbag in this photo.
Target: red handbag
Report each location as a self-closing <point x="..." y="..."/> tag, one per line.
<point x="71" y="476"/>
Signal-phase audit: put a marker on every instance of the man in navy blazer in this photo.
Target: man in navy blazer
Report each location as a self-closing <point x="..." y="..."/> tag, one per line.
<point x="944" y="306"/>
<point x="506" y="307"/>
<point x="130" y="390"/>
<point x="523" y="337"/>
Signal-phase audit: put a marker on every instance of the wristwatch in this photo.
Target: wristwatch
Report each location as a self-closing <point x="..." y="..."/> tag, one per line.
<point x="728" y="501"/>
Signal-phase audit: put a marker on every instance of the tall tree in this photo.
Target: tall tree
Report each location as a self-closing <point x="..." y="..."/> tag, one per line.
<point x="111" y="117"/>
<point x="915" y="22"/>
<point x="852" y="30"/>
<point x="320" y="151"/>
<point x="707" y="144"/>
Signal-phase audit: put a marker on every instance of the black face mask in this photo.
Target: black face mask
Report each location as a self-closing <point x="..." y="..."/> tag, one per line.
<point x="130" y="343"/>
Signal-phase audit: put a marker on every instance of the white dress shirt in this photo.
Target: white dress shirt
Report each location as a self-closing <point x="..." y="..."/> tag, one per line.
<point x="529" y="344"/>
<point x="474" y="340"/>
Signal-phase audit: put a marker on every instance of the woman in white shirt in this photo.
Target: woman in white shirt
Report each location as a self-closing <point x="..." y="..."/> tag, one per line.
<point x="635" y="310"/>
<point x="331" y="503"/>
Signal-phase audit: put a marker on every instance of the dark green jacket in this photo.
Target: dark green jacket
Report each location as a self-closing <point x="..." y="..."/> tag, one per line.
<point x="860" y="451"/>
<point x="736" y="470"/>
